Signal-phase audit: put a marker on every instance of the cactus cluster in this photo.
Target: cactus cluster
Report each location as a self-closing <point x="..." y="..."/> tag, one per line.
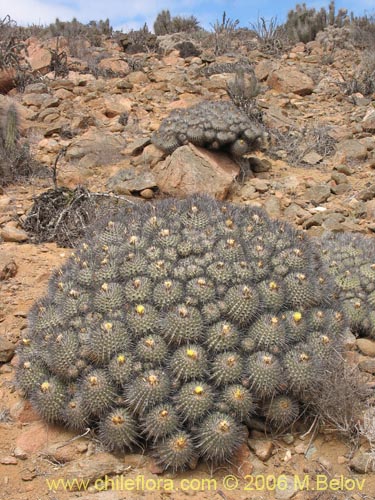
<point x="174" y="323"/>
<point x="350" y="258"/>
<point x="213" y="125"/>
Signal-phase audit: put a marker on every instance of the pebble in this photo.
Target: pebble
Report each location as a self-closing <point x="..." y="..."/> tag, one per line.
<point x="261" y="448"/>
<point x="148" y="194"/>
<point x="362" y="461"/>
<point x="366" y="346"/>
<point x="6" y="350"/>
<point x="8" y="460"/>
<point x="12" y="234"/>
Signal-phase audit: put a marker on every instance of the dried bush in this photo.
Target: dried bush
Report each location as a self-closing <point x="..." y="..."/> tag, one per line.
<point x="135" y="41"/>
<point x="11" y="44"/>
<point x="187" y="49"/>
<point x="271" y="36"/>
<point x="216" y="68"/>
<point x="243" y="90"/>
<point x="363" y="31"/>
<point x="294" y="144"/>
<point x="224" y="30"/>
<point x="364" y="80"/>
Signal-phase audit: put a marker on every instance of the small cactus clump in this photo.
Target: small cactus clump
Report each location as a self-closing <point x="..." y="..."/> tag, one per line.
<point x="173" y="324"/>
<point x="351" y="261"/>
<point x="213" y="125"/>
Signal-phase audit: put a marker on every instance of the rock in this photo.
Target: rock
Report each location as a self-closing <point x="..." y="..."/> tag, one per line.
<point x="295" y="211"/>
<point x="288" y="439"/>
<point x="35" y="99"/>
<point x="104" y="145"/>
<point x="264" y="68"/>
<point x="196" y="170"/>
<point x="7" y="80"/>
<point x="39" y="60"/>
<point x="9" y="271"/>
<point x="138" y="146"/>
<point x="248" y="192"/>
<point x="261" y="447"/>
<point x="260" y="185"/>
<point x="137" y="77"/>
<point x="8" y="460"/>
<point x="366" y="346"/>
<point x="370" y="209"/>
<point x="339" y="178"/>
<point x="147" y="194"/>
<point x="56" y="128"/>
<point x="151" y="155"/>
<point x="319" y="193"/>
<point x="61" y="454"/>
<point x="351" y="149"/>
<point x="367" y="365"/>
<point x="154" y="467"/>
<point x="332" y="222"/>
<point x="349" y="340"/>
<point x="38" y="435"/>
<point x="100" y="465"/>
<point x="286" y="487"/>
<point x="273" y="206"/>
<point x="259" y="165"/>
<point x="290" y="80"/>
<point x="20" y="453"/>
<point x="341" y="188"/>
<point x="363" y="461"/>
<point x="36" y="88"/>
<point x="344" y="169"/>
<point x="242" y="461"/>
<point x="10" y="233"/>
<point x="50" y="102"/>
<point x="368" y="124"/>
<point x="312" y="158"/>
<point x="132" y="180"/>
<point x="367" y="194"/>
<point x="6" y="350"/>
<point x="114" y="64"/>
<point x="116" y="105"/>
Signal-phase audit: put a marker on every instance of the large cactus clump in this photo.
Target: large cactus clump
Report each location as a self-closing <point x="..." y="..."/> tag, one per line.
<point x="174" y="323"/>
<point x="351" y="260"/>
<point x="213" y="125"/>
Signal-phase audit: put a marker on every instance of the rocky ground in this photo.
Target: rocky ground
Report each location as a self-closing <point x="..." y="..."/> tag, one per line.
<point x="324" y="182"/>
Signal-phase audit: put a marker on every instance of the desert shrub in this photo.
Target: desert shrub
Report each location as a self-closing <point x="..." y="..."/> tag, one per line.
<point x="294" y="144"/>
<point x="11" y="45"/>
<point x="73" y="30"/>
<point x="187" y="49"/>
<point x="165" y="24"/>
<point x="135" y="41"/>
